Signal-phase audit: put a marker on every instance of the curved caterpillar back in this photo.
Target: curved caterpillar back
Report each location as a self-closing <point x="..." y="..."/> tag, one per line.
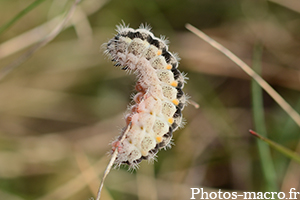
<point x="159" y="101"/>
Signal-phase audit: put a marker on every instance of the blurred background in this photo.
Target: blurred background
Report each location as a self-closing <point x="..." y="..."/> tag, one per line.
<point x="60" y="109"/>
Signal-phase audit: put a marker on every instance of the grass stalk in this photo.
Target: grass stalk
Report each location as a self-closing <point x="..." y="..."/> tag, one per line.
<point x="20" y="15"/>
<point x="263" y="84"/>
<point x="259" y="124"/>
<point x="287" y="152"/>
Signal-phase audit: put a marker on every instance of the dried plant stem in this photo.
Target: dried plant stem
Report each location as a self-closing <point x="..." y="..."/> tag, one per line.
<point x="32" y="36"/>
<point x="77" y="183"/>
<point x="287" y="152"/>
<point x="6" y="70"/>
<point x="281" y="102"/>
<point x="111" y="162"/>
<point x="292" y="4"/>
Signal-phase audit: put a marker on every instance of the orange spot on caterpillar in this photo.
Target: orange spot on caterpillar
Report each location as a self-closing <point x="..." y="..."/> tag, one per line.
<point x="169" y="67"/>
<point x="174" y="83"/>
<point x="171" y="120"/>
<point x="159" y="52"/>
<point x="144" y="153"/>
<point x="158" y="139"/>
<point x="175" y="101"/>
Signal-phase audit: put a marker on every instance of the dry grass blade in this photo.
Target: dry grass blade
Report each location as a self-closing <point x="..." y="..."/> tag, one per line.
<point x="32" y="36"/>
<point x="24" y="40"/>
<point x="281" y="102"/>
<point x="77" y="183"/>
<point x="111" y="162"/>
<point x="6" y="70"/>
<point x="292" y="4"/>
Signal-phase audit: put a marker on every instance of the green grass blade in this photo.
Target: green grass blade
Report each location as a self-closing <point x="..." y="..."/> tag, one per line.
<point x="20" y="15"/>
<point x="259" y="123"/>
<point x="287" y="152"/>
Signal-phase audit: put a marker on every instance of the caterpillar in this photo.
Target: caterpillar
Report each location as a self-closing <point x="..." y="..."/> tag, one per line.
<point x="159" y="100"/>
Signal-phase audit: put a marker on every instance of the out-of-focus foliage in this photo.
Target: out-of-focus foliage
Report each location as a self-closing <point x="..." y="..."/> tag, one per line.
<point x="61" y="108"/>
